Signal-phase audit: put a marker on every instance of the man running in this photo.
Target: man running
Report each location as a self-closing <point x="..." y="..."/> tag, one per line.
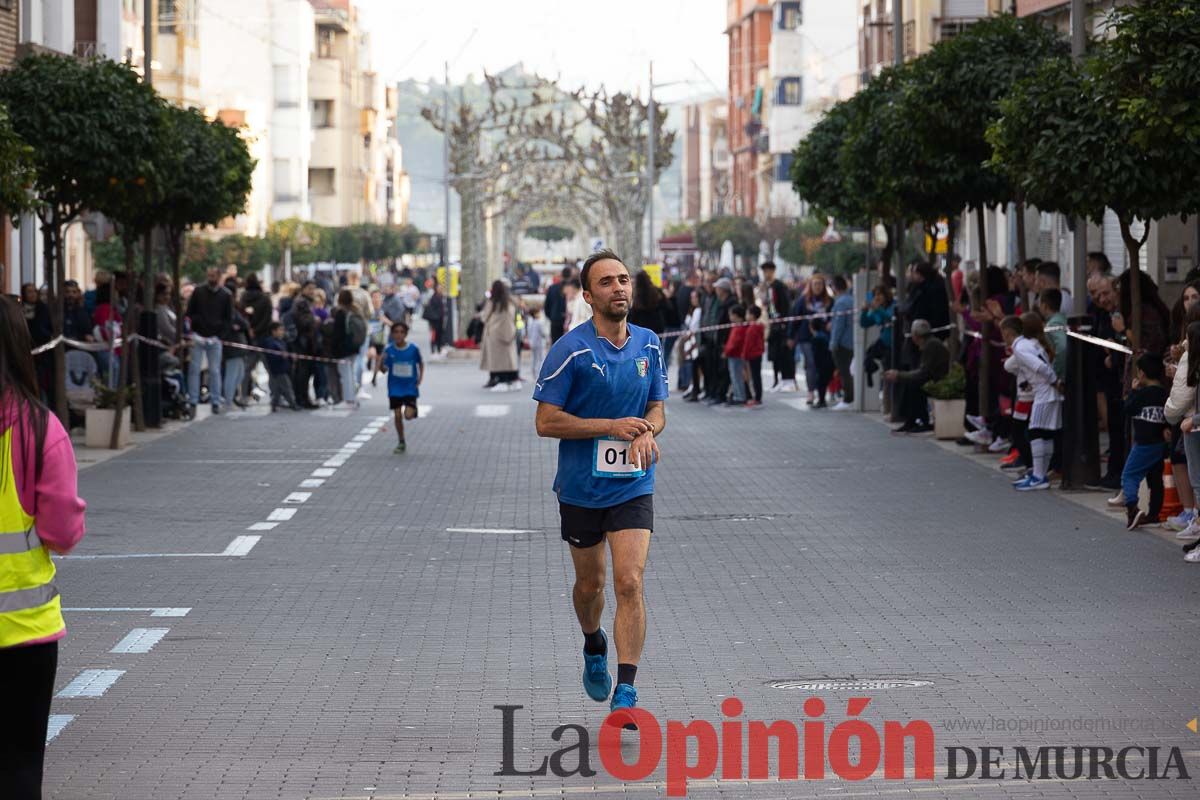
<point x="601" y="392"/>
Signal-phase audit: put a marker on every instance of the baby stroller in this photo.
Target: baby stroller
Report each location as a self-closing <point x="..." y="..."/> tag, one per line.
<point x="175" y="403"/>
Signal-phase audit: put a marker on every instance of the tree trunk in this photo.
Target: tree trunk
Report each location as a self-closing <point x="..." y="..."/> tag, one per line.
<point x="985" y="331"/>
<point x="472" y="277"/>
<point x="54" y="266"/>
<point x="175" y="251"/>
<point x="1133" y="246"/>
<point x="885" y="257"/>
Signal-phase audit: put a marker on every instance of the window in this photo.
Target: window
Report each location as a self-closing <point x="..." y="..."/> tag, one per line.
<point x="783" y="168"/>
<point x="282" y="177"/>
<point x="788" y="16"/>
<point x="787" y="92"/>
<point x="166" y="16"/>
<point x="321" y="181"/>
<point x="285" y="86"/>
<point x="325" y="40"/>
<point x="322" y="113"/>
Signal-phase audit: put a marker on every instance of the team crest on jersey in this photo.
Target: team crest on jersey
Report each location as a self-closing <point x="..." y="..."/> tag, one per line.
<point x="643" y="366"/>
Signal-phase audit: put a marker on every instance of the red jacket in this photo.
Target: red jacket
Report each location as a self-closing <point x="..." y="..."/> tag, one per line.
<point x="754" y="346"/>
<point x="736" y="342"/>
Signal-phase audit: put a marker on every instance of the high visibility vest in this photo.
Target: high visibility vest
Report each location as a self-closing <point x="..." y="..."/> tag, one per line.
<point x="30" y="607"/>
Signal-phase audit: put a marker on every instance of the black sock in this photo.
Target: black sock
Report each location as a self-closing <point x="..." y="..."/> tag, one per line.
<point x="594" y="644"/>
<point x="626" y="673"/>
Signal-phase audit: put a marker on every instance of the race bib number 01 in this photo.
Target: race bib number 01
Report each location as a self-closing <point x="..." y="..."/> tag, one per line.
<point x="402" y="369"/>
<point x="613" y="459"/>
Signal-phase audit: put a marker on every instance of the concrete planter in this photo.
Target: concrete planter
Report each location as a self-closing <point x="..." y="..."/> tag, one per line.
<point x="98" y="427"/>
<point x="948" y="418"/>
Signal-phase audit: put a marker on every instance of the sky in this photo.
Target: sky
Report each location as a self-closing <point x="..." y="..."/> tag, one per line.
<point x="583" y="42"/>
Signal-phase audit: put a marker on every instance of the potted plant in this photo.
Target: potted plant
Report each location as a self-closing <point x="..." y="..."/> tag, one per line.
<point x="949" y="396"/>
<point x="98" y="422"/>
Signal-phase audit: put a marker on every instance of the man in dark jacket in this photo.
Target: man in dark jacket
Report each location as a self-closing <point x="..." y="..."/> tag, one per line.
<point x="782" y="357"/>
<point x="210" y="310"/>
<point x="717" y="313"/>
<point x="77" y="321"/>
<point x="255" y="306"/>
<point x="935" y="363"/>
<point x="555" y="306"/>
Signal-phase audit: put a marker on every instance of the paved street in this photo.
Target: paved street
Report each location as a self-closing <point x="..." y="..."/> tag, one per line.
<point x="356" y="647"/>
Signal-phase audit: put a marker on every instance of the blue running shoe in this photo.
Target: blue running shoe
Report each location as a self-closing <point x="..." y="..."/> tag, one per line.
<point x="596" y="680"/>
<point x="624" y="697"/>
<point x="1033" y="485"/>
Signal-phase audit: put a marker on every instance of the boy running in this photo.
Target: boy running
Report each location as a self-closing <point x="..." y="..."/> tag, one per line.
<point x="405" y="369"/>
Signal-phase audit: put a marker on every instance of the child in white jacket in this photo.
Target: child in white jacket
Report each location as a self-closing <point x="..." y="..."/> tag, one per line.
<point x="1011" y="330"/>
<point x="1034" y="355"/>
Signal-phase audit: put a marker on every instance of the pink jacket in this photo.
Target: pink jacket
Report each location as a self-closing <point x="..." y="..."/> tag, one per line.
<point x="53" y="499"/>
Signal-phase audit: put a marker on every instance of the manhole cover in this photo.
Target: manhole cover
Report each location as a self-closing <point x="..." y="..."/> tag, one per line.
<point x="849" y="684"/>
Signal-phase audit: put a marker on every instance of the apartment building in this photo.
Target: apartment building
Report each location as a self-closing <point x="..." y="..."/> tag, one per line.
<point x="811" y="62"/>
<point x="748" y="29"/>
<point x="704" y="160"/>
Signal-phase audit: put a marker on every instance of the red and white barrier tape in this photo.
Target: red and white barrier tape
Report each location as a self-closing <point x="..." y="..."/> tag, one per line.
<point x="95" y="347"/>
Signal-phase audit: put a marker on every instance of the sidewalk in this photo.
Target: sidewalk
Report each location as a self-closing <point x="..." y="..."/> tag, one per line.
<point x="1091" y="500"/>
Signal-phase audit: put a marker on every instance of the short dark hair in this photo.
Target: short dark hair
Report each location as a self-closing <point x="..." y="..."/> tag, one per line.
<point x="572" y="282"/>
<point x="1031" y="264"/>
<point x="599" y="255"/>
<point x="567" y="272"/>
<point x="839" y="283"/>
<point x="1011" y="323"/>
<point x="1151" y="365"/>
<point x="767" y="265"/>
<point x="1101" y="259"/>
<point x="276" y="326"/>
<point x="401" y="324"/>
<point x="1050" y="269"/>
<point x="755" y="312"/>
<point x="1051" y="299"/>
<point x="738" y="309"/>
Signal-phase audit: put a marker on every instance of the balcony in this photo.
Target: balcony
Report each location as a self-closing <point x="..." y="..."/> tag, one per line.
<point x="332" y="13"/>
<point x="85" y="50"/>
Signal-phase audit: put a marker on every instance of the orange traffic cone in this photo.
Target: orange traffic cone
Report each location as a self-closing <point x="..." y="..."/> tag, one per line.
<point x="1171" y="505"/>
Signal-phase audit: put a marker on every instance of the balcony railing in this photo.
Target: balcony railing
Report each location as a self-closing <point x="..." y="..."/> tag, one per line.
<point x="85" y="49"/>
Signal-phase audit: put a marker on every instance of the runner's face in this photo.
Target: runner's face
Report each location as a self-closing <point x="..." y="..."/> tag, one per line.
<point x="609" y="289"/>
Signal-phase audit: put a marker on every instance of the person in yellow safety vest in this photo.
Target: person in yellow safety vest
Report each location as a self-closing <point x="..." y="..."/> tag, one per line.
<point x="40" y="512"/>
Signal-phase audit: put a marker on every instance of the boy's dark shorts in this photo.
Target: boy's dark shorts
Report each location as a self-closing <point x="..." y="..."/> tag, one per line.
<point x="586" y="527"/>
<point x="401" y="402"/>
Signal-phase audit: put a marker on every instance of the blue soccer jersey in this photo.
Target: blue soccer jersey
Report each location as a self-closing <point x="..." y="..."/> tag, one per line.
<point x="403" y="368"/>
<point x="589" y="377"/>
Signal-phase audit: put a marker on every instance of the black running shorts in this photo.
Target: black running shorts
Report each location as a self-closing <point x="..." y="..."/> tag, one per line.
<point x="401" y="402"/>
<point x="586" y="527"/>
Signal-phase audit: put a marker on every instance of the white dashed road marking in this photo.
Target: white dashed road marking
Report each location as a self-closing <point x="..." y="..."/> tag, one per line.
<point x="492" y="411"/>
<point x="297" y="497"/>
<point x="154" y="612"/>
<point x="281" y="515"/>
<point x="140" y="640"/>
<point x="91" y="683"/>
<point x="263" y="526"/>
<point x="57" y="723"/>
<point x="241" y="546"/>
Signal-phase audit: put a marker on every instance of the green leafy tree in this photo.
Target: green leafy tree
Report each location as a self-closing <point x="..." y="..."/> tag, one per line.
<point x="309" y="242"/>
<point x="91" y="126"/>
<point x="815" y="173"/>
<point x="1082" y="156"/>
<point x="742" y="232"/>
<point x="950" y="98"/>
<point x="206" y="179"/>
<point x="346" y="244"/>
<point x="17" y="172"/>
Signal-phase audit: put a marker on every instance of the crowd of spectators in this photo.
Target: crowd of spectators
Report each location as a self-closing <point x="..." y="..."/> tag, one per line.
<point x="315" y="335"/>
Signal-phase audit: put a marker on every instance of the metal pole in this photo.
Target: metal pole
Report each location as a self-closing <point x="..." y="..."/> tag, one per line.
<point x="1079" y="237"/>
<point x="448" y="324"/>
<point x="650" y="137"/>
<point x="898" y="32"/>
